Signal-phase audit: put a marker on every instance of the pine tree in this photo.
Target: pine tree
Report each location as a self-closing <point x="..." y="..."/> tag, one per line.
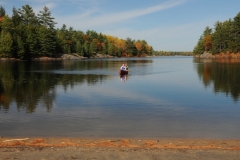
<point x="16" y="19"/>
<point x="130" y="47"/>
<point x="6" y="39"/>
<point x="45" y="18"/>
<point x="31" y="43"/>
<point x="79" y="48"/>
<point x="93" y="47"/>
<point x="111" y="49"/>
<point x="46" y="32"/>
<point x="20" y="48"/>
<point x="86" y="48"/>
<point x="236" y="36"/>
<point x="2" y="11"/>
<point x="47" y="41"/>
<point x="5" y="44"/>
<point x="27" y="15"/>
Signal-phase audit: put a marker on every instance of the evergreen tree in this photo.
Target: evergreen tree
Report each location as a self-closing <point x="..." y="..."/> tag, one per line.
<point x="79" y="48"/>
<point x="93" y="47"/>
<point x="217" y="38"/>
<point x="236" y="32"/>
<point x="130" y="47"/>
<point x="6" y="40"/>
<point x="16" y="19"/>
<point x="105" y="49"/>
<point x="105" y="46"/>
<point x="5" y="44"/>
<point x="45" y="18"/>
<point x="203" y="44"/>
<point x="151" y="51"/>
<point x="47" y="41"/>
<point x="27" y="15"/>
<point x="119" y="52"/>
<point x="2" y="11"/>
<point x="86" y="49"/>
<point x="111" y="49"/>
<point x="92" y="34"/>
<point x="31" y="46"/>
<point x="64" y="39"/>
<point x="20" y="48"/>
<point x="199" y="48"/>
<point x="47" y="35"/>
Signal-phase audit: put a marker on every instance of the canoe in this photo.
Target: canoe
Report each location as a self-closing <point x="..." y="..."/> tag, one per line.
<point x="123" y="72"/>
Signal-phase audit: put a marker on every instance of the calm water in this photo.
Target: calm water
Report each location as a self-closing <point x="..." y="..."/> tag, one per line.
<point x="165" y="97"/>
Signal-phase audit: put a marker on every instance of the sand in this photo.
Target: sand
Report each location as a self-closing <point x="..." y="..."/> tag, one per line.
<point x="145" y="149"/>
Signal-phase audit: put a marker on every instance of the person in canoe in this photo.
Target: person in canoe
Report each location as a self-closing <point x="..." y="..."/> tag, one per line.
<point x="123" y="68"/>
<point x="126" y="67"/>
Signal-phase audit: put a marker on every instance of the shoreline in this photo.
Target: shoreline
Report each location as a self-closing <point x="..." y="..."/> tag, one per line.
<point x="118" y="149"/>
<point x="161" y="143"/>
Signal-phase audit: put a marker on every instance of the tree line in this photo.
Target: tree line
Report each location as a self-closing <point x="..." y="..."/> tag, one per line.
<point x="171" y="53"/>
<point x="27" y="35"/>
<point x="223" y="38"/>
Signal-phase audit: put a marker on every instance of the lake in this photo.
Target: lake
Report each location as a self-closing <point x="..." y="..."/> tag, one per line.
<point x="161" y="97"/>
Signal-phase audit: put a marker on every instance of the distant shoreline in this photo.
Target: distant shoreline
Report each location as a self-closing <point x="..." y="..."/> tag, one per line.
<point x="74" y="56"/>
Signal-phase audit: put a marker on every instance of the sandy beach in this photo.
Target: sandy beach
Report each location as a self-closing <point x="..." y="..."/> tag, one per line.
<point x="80" y="148"/>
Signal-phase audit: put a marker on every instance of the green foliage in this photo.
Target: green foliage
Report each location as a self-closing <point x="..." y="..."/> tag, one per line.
<point x="171" y="53"/>
<point x="224" y="38"/>
<point x="93" y="47"/>
<point x="26" y="36"/>
<point x="45" y="18"/>
<point x="2" y="11"/>
<point x="46" y="41"/>
<point x="5" y="44"/>
<point x="86" y="48"/>
<point x="27" y="15"/>
<point x="20" y="48"/>
<point x="130" y="47"/>
<point x="16" y="19"/>
<point x="6" y="39"/>
<point x="111" y="49"/>
<point x="79" y="48"/>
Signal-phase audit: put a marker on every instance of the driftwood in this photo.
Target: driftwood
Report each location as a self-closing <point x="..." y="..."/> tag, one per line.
<point x="24" y="139"/>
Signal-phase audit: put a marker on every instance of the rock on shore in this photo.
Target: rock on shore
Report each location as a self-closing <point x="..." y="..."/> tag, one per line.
<point x="220" y="55"/>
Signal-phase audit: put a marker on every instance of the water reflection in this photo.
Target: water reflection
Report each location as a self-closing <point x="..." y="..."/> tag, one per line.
<point x="20" y="83"/>
<point x="30" y="84"/>
<point x="223" y="74"/>
<point x="123" y="77"/>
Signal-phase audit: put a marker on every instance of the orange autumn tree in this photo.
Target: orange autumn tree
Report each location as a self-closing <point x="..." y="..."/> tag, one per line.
<point x="143" y="48"/>
<point x="207" y="43"/>
<point x="139" y="46"/>
<point x="117" y="44"/>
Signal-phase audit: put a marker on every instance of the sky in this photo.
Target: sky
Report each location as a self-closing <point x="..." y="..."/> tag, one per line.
<point x="166" y="25"/>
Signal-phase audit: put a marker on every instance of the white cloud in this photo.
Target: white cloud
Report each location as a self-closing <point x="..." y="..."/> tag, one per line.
<point x="90" y="21"/>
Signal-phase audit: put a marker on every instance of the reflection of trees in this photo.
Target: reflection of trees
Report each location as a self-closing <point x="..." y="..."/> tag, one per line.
<point x="18" y="84"/>
<point x="223" y="73"/>
<point x="29" y="84"/>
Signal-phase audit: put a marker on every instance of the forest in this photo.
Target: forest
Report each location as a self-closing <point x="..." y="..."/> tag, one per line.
<point x="26" y="35"/>
<point x="223" y="38"/>
<point x="172" y="53"/>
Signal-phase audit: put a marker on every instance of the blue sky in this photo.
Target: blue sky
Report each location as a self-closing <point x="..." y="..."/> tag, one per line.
<point x="167" y="25"/>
